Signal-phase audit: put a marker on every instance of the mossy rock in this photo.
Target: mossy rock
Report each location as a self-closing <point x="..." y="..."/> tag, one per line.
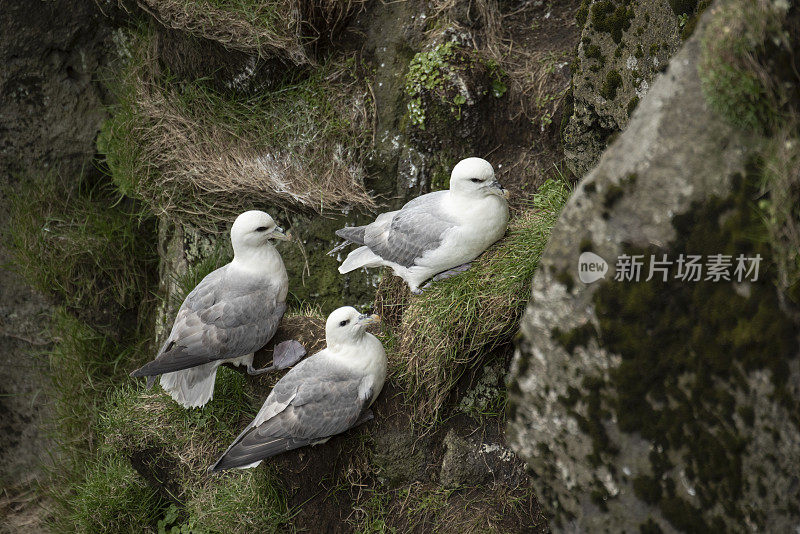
<point x="662" y="406"/>
<point x="623" y="46"/>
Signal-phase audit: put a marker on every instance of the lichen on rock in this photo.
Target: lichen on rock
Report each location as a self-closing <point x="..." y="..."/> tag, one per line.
<point x="663" y="406"/>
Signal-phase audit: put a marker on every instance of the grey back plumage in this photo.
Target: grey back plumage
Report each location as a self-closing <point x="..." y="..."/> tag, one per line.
<point x="412" y="231"/>
<point x="317" y="399"/>
<point x="223" y="317"/>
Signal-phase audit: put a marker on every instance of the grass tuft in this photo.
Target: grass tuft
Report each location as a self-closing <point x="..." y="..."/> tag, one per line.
<point x="205" y="156"/>
<point x="280" y="28"/>
<point x="111" y="498"/>
<point x="240" y="501"/>
<point x="85" y="245"/>
<point x="454" y="324"/>
<point x="737" y="49"/>
<point x="185" y="442"/>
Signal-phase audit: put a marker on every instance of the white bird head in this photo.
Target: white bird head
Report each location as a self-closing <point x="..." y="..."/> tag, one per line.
<point x="252" y="229"/>
<point x="346" y="325"/>
<point x="475" y="177"/>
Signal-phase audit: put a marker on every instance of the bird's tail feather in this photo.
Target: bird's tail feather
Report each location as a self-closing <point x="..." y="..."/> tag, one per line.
<point x="360" y="257"/>
<point x="191" y="388"/>
<point x="354" y="234"/>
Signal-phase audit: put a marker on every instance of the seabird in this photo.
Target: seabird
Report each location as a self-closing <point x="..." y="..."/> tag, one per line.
<point x="434" y="234"/>
<point x="230" y="314"/>
<point x="323" y="395"/>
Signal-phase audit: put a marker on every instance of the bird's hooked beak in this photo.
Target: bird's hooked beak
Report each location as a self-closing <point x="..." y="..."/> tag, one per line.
<point x="366" y="320"/>
<point x="278" y="234"/>
<point x="498" y="189"/>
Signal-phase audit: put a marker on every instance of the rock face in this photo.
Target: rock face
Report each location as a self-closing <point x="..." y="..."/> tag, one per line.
<point x="51" y="112"/>
<point x="661" y="406"/>
<point x="623" y="46"/>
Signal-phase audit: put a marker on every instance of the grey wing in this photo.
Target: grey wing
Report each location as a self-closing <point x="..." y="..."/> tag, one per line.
<point x="316" y="402"/>
<point x="414" y="230"/>
<point x="223" y="317"/>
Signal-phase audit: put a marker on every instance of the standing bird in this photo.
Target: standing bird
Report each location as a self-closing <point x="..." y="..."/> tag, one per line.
<point x="440" y="232"/>
<point x="230" y="314"/>
<point x="321" y="396"/>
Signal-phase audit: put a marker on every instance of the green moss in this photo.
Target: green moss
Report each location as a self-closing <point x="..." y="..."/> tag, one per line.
<point x="593" y="52"/>
<point x="632" y="103"/>
<point x="697" y="332"/>
<point x="427" y="72"/>
<point x="612" y="82"/>
<point x="683" y="7"/>
<point x="577" y="337"/>
<point x="647" y="489"/>
<point x="582" y="13"/>
<point x="566" y="278"/>
<point x="650" y="527"/>
<point x="612" y="17"/>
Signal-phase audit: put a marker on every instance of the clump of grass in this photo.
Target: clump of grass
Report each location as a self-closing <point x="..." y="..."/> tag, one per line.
<point x="111" y="498"/>
<point x="240" y="501"/>
<point x="85" y="245"/>
<point x="736" y="80"/>
<point x="280" y="28"/>
<point x="84" y="364"/>
<point x="454" y="324"/>
<point x="206" y="156"/>
<point x="186" y="441"/>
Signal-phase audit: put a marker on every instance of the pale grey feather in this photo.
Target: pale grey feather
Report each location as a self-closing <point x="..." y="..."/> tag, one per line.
<point x="411" y="232"/>
<point x="314" y="401"/>
<point x="226" y="316"/>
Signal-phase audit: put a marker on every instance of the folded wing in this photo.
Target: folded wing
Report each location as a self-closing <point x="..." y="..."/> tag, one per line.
<point x="311" y="403"/>
<point x="223" y="317"/>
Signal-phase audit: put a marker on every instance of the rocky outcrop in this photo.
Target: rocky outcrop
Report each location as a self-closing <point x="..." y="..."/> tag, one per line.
<point x="623" y="46"/>
<point x="664" y="404"/>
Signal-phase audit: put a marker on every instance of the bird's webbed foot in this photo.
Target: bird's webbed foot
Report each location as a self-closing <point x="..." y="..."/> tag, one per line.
<point x="285" y="354"/>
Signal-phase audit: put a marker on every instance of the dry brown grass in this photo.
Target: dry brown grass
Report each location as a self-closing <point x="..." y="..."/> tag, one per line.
<point x="281" y="28"/>
<point x="204" y="156"/>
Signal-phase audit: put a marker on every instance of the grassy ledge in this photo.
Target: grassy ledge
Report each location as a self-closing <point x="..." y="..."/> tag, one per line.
<point x="205" y="156"/>
<point x="454" y="324"/>
<point x="280" y="28"/>
<point x="85" y="244"/>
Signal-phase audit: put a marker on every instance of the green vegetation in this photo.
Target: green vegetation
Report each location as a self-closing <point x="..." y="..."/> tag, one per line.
<point x="187" y="441"/>
<point x="112" y="498"/>
<point x="84" y="244"/>
<point x="612" y="82"/>
<point x="92" y="250"/>
<point x="456" y="322"/>
<point x="427" y="72"/>
<point x="734" y="70"/>
<point x="431" y="71"/>
<point x="196" y="153"/>
<point x="612" y="17"/>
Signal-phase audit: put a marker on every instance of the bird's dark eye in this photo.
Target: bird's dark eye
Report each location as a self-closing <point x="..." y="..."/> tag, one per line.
<point x="344" y="323"/>
<point x="261" y="229"/>
<point x="476" y="180"/>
